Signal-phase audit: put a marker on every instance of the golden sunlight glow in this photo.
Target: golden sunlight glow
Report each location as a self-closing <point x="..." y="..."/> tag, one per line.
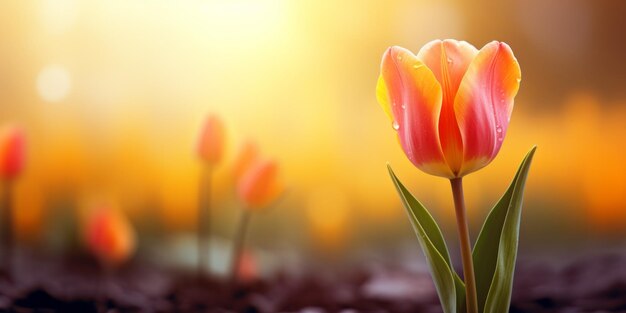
<point x="53" y="83"/>
<point x="138" y="78"/>
<point x="327" y="213"/>
<point x="247" y="21"/>
<point x="58" y="16"/>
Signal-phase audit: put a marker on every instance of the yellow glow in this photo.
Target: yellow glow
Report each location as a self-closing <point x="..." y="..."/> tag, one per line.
<point x="327" y="213"/>
<point x="53" y="83"/>
<point x="137" y="79"/>
<point x="58" y="16"/>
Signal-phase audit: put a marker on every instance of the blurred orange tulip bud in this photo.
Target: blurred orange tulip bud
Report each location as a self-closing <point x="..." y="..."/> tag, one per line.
<point x="247" y="155"/>
<point x="450" y="104"/>
<point x="12" y="152"/>
<point x="248" y="269"/>
<point x="109" y="235"/>
<point x="212" y="140"/>
<point x="260" y="185"/>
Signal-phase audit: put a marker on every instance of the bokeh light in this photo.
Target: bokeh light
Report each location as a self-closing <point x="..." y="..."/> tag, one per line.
<point x="53" y="83"/>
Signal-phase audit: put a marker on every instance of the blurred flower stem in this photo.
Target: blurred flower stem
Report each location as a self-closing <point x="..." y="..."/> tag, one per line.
<point x="204" y="220"/>
<point x="240" y="238"/>
<point x="7" y="229"/>
<point x="466" y="247"/>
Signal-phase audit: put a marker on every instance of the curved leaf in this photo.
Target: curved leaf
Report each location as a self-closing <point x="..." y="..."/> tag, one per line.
<point x="450" y="288"/>
<point x="496" y="247"/>
<point x="460" y="293"/>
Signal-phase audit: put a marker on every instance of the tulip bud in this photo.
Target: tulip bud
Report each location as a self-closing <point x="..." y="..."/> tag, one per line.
<point x="260" y="185"/>
<point x="247" y="155"/>
<point x="12" y="152"/>
<point x="109" y="236"/>
<point x="212" y="140"/>
<point x="247" y="269"/>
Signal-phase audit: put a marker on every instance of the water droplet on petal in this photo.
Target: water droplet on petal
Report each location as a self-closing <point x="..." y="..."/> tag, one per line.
<point x="449" y="61"/>
<point x="399" y="58"/>
<point x="499" y="134"/>
<point x="403" y="106"/>
<point x="519" y="79"/>
<point x="416" y="66"/>
<point x="395" y="125"/>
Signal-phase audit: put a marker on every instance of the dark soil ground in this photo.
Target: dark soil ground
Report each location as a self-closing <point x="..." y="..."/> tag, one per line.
<point x="596" y="284"/>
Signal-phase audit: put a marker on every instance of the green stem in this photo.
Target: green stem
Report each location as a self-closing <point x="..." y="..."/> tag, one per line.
<point x="204" y="221"/>
<point x="466" y="247"/>
<point x="7" y="229"/>
<point x="238" y="243"/>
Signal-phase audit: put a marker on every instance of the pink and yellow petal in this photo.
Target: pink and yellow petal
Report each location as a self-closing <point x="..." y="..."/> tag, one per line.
<point x="484" y="104"/>
<point x="449" y="60"/>
<point x="382" y="95"/>
<point x="415" y="97"/>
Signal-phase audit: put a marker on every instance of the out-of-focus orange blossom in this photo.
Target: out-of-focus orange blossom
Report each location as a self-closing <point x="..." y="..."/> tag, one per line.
<point x="212" y="141"/>
<point x="108" y="234"/>
<point x="246" y="156"/>
<point x="12" y="152"/>
<point x="248" y="266"/>
<point x="260" y="185"/>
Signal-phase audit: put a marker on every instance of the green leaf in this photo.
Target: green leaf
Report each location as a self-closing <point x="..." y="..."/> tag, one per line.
<point x="460" y="293"/>
<point x="450" y="287"/>
<point x="496" y="247"/>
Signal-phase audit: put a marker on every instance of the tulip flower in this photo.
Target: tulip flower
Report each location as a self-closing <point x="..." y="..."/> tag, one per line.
<point x="248" y="268"/>
<point x="12" y="155"/>
<point x="109" y="236"/>
<point x="210" y="150"/>
<point x="248" y="154"/>
<point x="451" y="105"/>
<point x="212" y="140"/>
<point x="259" y="187"/>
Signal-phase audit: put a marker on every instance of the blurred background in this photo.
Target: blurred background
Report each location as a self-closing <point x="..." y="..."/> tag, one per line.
<point x="113" y="94"/>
